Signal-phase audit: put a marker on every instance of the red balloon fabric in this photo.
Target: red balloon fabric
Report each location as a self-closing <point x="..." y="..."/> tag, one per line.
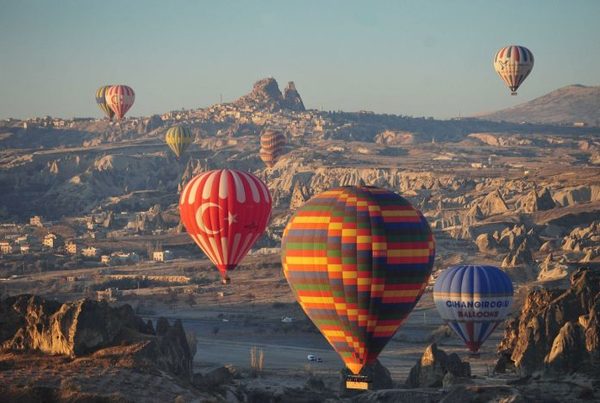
<point x="225" y="211"/>
<point x="119" y="98"/>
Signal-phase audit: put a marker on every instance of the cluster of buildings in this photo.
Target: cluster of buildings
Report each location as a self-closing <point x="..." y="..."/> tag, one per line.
<point x="295" y="123"/>
<point x="33" y="239"/>
<point x="50" y="122"/>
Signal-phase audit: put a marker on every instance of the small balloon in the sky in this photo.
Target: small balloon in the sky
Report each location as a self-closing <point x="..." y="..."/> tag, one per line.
<point x="178" y="139"/>
<point x="513" y="64"/>
<point x="120" y="98"/>
<point x="101" y="101"/>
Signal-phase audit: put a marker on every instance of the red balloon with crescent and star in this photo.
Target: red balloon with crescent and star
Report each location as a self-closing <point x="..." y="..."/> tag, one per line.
<point x="225" y="211"/>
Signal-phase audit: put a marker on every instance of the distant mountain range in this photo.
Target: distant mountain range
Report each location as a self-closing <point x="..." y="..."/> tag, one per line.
<point x="566" y="105"/>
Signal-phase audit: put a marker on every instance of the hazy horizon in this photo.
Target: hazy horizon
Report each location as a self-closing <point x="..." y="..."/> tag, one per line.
<point x="420" y="59"/>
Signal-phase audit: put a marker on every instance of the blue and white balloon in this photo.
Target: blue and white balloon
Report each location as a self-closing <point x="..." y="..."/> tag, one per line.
<point x="473" y="300"/>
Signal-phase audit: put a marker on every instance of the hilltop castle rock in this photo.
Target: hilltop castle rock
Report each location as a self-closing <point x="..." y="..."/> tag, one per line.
<point x="291" y="98"/>
<point x="265" y="95"/>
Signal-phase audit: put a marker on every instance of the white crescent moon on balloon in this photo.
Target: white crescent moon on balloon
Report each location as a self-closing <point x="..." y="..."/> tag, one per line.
<point x="200" y="218"/>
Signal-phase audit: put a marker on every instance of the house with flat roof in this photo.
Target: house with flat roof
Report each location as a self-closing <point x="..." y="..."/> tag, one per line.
<point x="5" y="247"/>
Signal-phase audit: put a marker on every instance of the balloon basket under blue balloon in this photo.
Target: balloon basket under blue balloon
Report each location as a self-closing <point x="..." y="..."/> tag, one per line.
<point x="359" y="382"/>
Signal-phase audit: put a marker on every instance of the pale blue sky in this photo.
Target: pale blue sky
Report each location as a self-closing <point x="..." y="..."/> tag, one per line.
<point x="422" y="58"/>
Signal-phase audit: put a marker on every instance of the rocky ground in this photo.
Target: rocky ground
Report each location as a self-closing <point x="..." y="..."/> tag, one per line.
<point x="88" y="351"/>
<point x="523" y="197"/>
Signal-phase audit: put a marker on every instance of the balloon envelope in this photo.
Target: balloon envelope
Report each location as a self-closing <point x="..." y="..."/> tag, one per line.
<point x="225" y="211"/>
<point x="358" y="260"/>
<point x="473" y="300"/>
<point x="513" y="64"/>
<point x="272" y="144"/>
<point x="119" y="98"/>
<point x="101" y="101"/>
<point x="178" y="138"/>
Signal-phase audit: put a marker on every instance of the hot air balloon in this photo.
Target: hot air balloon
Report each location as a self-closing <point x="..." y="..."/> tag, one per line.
<point x="119" y="98"/>
<point x="357" y="260"/>
<point x="101" y="101"/>
<point x="179" y="138"/>
<point x="225" y="211"/>
<point x="272" y="143"/>
<point x="473" y="300"/>
<point x="513" y="64"/>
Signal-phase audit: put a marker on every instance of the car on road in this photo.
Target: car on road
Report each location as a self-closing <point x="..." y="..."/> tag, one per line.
<point x="314" y="358"/>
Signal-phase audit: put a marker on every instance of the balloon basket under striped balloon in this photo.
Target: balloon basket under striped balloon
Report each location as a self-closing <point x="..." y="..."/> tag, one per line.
<point x="513" y="93"/>
<point x="358" y="382"/>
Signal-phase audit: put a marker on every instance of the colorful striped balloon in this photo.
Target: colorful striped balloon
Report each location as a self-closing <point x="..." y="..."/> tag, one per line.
<point x="178" y="138"/>
<point x="357" y="259"/>
<point x="120" y="98"/>
<point x="473" y="300"/>
<point x="225" y="212"/>
<point x="272" y="143"/>
<point x="101" y="101"/>
<point x="513" y="64"/>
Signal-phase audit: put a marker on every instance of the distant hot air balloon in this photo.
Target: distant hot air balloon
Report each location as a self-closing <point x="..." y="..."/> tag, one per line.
<point x="473" y="300"/>
<point x="179" y="138"/>
<point x="513" y="64"/>
<point x="119" y="98"/>
<point x="101" y="101"/>
<point x="272" y="143"/>
<point x="225" y="212"/>
<point x="357" y="259"/>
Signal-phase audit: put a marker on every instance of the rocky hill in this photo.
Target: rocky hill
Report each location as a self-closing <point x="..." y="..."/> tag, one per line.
<point x="265" y="95"/>
<point x="558" y="331"/>
<point x="567" y="105"/>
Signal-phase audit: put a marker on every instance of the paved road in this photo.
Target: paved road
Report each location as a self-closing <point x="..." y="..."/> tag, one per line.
<point x="287" y="352"/>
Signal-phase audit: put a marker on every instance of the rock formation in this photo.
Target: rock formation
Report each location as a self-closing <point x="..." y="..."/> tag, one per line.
<point x="584" y="239"/>
<point x="148" y="221"/>
<point x="575" y="195"/>
<point x="557" y="330"/>
<point x="512" y="238"/>
<point x="548" y="246"/>
<point x="435" y="366"/>
<point x="521" y="256"/>
<point x="551" y="269"/>
<point x="493" y="204"/>
<point x="533" y="201"/>
<point x="291" y="98"/>
<point x="265" y="95"/>
<point x="85" y="327"/>
<point x="394" y="138"/>
<point x="475" y="213"/>
<point x="488" y="245"/>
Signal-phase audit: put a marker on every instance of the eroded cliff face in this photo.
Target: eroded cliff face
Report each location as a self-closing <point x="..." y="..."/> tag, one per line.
<point x="557" y="330"/>
<point x="294" y="183"/>
<point x="81" y="328"/>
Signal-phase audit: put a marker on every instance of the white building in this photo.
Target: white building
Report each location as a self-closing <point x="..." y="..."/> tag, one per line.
<point x="162" y="256"/>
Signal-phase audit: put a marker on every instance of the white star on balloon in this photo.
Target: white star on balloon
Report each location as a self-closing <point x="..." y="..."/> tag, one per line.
<point x="231" y="218"/>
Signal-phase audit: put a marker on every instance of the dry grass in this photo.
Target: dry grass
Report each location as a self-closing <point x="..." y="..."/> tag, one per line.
<point x="257" y="359"/>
